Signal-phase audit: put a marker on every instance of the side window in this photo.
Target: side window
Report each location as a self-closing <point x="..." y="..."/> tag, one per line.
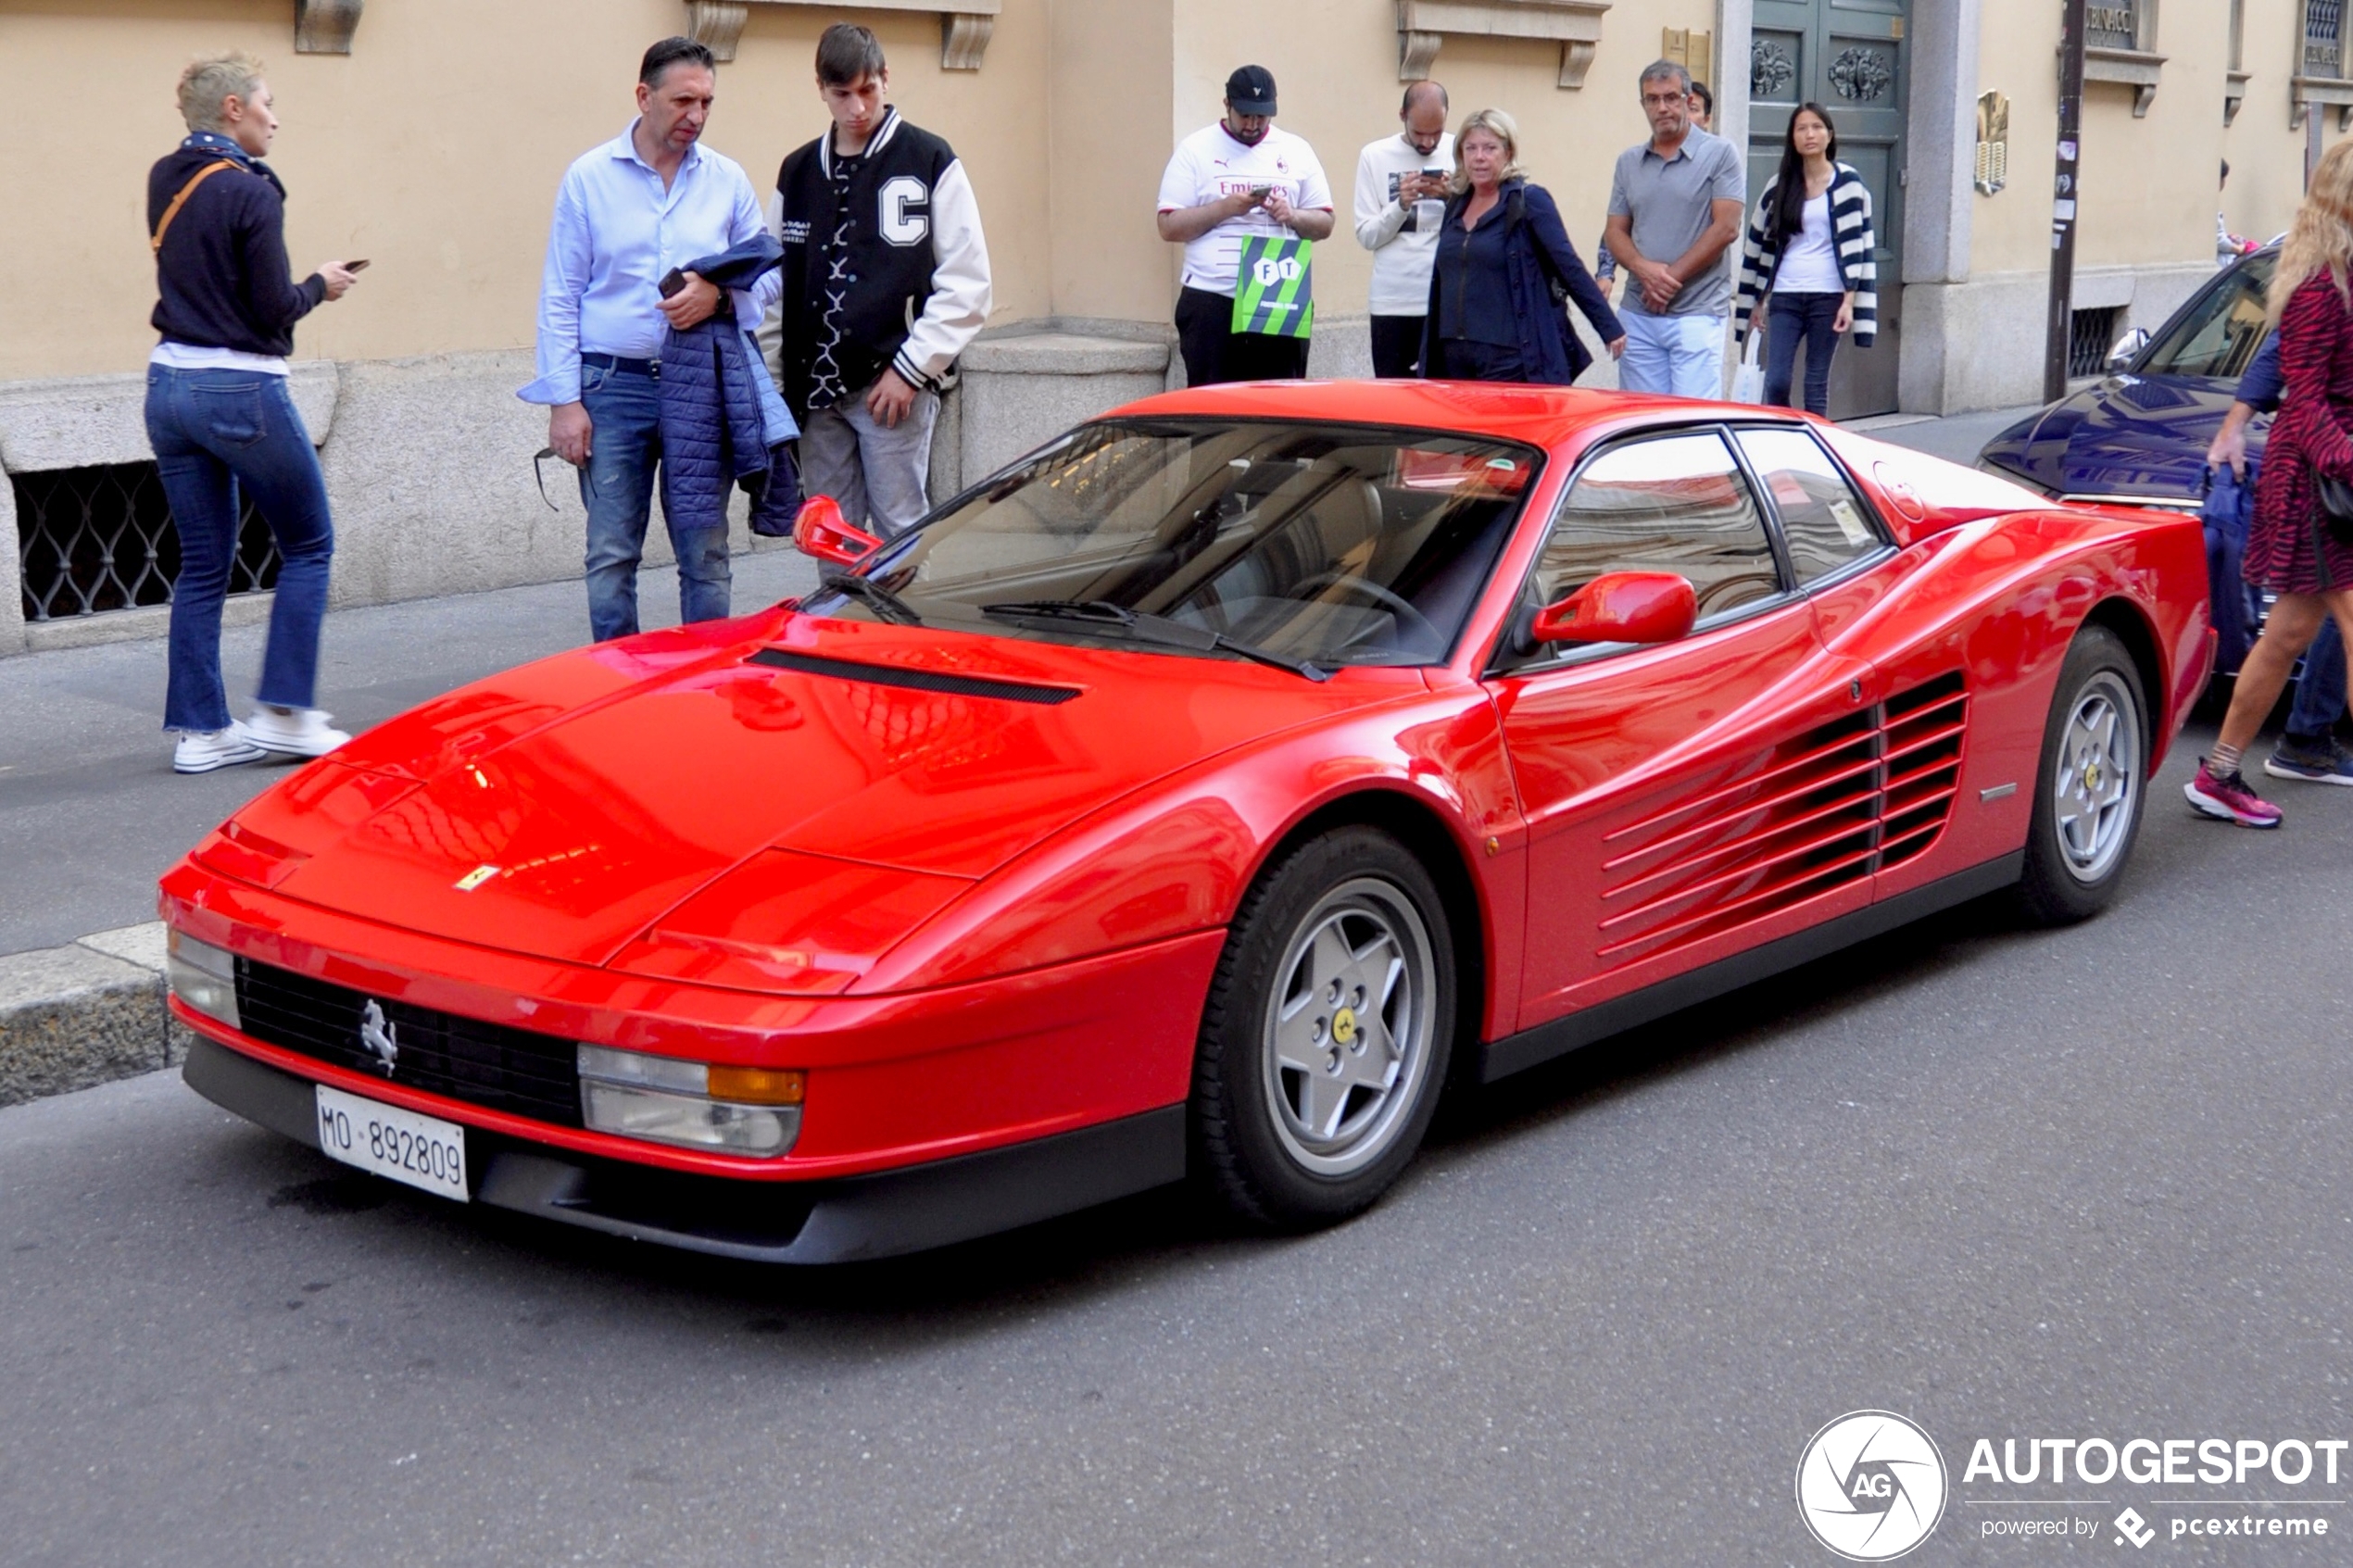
<point x="1676" y="503"/>
<point x="1822" y="518"/>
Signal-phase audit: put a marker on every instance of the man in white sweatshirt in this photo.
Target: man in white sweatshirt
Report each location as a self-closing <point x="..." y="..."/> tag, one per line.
<point x="1401" y="191"/>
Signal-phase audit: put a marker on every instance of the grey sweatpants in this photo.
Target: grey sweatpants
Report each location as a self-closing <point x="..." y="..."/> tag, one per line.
<point x="876" y="476"/>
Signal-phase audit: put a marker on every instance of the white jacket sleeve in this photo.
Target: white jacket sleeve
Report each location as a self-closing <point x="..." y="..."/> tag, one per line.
<point x="1378" y="218"/>
<point x="958" y="308"/>
<point x="771" y="331"/>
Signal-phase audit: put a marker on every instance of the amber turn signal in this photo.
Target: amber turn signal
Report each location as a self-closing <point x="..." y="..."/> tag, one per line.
<point x="758" y="1086"/>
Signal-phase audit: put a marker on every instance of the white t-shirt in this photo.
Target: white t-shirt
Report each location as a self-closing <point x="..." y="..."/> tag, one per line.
<point x="1209" y="164"/>
<point x="1809" y="261"/>
<point x="1404" y="249"/>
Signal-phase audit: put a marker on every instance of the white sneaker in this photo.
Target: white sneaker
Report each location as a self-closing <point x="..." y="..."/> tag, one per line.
<point x="200" y="751"/>
<point x="292" y="732"/>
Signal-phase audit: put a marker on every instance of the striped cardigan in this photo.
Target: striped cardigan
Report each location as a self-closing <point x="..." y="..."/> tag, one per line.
<point x="1850" y="220"/>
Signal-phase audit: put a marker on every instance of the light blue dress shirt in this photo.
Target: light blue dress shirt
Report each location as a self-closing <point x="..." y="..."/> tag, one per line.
<point x="616" y="233"/>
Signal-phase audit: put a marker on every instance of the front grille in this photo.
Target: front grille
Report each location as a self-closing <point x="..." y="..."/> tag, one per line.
<point x="486" y="1064"/>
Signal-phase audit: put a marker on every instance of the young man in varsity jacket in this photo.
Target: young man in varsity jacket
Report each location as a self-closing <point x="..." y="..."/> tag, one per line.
<point x="885" y="279"/>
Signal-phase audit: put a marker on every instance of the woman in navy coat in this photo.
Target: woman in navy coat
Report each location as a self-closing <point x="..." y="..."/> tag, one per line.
<point x="1504" y="268"/>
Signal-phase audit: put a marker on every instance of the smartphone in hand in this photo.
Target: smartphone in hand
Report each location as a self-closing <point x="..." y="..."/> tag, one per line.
<point x="359" y="266"/>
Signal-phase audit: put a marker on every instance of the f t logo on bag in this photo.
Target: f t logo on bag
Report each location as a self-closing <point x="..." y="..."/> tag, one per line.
<point x="1274" y="290"/>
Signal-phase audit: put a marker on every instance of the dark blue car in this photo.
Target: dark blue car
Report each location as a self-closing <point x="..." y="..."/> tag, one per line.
<point x="2141" y="435"/>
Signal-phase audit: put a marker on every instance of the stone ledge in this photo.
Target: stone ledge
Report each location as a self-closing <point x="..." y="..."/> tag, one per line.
<point x="1064" y="354"/>
<point x="84" y="1013"/>
<point x="84" y="421"/>
<point x="134" y="626"/>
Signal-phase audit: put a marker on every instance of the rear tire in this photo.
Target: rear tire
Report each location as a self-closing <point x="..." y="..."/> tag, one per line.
<point x="1327" y="1035"/>
<point x="2091" y="785"/>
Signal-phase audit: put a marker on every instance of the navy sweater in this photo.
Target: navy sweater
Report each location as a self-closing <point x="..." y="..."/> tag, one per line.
<point x="221" y="275"/>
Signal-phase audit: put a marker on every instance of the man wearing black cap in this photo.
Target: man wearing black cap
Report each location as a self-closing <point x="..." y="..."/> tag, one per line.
<point x="1229" y="182"/>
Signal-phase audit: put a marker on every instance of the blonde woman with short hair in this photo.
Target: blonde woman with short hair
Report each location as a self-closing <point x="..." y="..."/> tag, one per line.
<point x="2294" y="547"/>
<point x="1503" y="268"/>
<point x="221" y="422"/>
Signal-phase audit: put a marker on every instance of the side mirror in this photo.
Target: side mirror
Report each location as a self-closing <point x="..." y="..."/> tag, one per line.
<point x="1621" y="607"/>
<point x="819" y="529"/>
<point x="2128" y="348"/>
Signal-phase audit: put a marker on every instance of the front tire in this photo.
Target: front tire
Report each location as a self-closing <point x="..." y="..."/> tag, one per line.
<point x="2091" y="785"/>
<point x="1325" y="1039"/>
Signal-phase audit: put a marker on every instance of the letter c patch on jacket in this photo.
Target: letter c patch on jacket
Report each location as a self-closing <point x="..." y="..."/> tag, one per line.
<point x="905" y="211"/>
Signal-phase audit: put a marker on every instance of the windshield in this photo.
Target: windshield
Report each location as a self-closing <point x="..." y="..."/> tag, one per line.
<point x="2220" y="333"/>
<point x="1331" y="544"/>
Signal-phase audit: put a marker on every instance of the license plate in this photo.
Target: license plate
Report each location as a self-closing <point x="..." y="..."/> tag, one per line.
<point x="424" y="1151"/>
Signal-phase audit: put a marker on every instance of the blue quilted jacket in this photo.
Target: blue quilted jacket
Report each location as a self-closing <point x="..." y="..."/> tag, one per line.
<point x="723" y="423"/>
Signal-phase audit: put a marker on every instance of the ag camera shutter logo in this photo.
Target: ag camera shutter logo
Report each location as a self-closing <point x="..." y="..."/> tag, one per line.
<point x="1871" y="1486"/>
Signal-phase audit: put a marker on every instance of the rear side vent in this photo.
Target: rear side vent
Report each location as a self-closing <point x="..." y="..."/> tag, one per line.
<point x="1826" y="808"/>
<point x="914" y="680"/>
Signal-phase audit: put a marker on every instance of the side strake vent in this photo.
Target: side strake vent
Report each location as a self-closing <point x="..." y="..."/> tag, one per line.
<point x="1831" y="807"/>
<point x="914" y="680"/>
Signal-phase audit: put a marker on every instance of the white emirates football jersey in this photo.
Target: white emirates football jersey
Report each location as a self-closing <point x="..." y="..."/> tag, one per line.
<point x="1210" y="164"/>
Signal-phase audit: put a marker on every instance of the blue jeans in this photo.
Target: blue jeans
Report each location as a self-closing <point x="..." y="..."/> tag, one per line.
<point x="1682" y="356"/>
<point x="617" y="487"/>
<point x="2320" y="690"/>
<point x="216" y="433"/>
<point x="1789" y="319"/>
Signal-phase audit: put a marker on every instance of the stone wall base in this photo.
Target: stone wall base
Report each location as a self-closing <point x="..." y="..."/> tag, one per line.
<point x="1979" y="345"/>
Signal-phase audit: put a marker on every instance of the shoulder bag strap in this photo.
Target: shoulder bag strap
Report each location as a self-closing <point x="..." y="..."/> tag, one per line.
<point x="155" y="240"/>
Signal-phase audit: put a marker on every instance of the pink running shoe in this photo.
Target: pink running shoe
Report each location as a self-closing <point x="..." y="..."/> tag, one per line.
<point x="2229" y="797"/>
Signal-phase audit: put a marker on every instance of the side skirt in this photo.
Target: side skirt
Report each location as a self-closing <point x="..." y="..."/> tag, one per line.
<point x="1515" y="1053"/>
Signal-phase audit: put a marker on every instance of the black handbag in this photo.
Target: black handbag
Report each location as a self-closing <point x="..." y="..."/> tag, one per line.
<point x="2337" y="505"/>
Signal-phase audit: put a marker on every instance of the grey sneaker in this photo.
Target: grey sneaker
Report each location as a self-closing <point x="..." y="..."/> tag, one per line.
<point x="2328" y="762"/>
<point x="200" y="751"/>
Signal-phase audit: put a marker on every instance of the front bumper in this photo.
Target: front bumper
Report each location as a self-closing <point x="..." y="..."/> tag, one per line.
<point x="843" y="1219"/>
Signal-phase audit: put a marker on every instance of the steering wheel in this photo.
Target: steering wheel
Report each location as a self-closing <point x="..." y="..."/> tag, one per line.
<point x="1383" y="598"/>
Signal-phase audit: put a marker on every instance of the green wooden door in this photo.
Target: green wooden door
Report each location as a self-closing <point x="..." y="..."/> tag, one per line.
<point x="1849" y="57"/>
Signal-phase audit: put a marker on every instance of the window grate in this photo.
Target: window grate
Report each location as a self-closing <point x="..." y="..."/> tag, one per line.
<point x="97" y="539"/>
<point x="2089" y="336"/>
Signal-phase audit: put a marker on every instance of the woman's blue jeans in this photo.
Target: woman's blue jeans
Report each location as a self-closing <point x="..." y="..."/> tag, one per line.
<point x="1788" y="318"/>
<point x="217" y="433"/>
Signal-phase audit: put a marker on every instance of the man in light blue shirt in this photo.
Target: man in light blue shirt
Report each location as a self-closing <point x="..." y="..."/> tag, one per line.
<point x="626" y="214"/>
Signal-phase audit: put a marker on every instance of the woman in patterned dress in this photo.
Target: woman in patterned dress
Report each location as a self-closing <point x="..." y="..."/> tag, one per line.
<point x="2292" y="549"/>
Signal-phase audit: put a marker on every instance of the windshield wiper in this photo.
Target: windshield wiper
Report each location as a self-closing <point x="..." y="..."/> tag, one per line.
<point x="889" y="605"/>
<point x="1153" y="628"/>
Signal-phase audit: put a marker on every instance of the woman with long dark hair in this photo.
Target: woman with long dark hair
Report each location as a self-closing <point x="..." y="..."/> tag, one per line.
<point x="2294" y="547"/>
<point x="1808" y="256"/>
<point x="1504" y="267"/>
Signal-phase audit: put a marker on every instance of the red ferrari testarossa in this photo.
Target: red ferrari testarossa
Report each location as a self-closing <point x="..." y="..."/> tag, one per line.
<point x="1199" y="796"/>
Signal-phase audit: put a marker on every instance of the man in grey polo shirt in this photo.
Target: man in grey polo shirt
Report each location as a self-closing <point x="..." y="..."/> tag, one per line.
<point x="1675" y="209"/>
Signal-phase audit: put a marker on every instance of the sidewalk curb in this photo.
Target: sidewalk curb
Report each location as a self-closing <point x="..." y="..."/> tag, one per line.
<point x="85" y="1013"/>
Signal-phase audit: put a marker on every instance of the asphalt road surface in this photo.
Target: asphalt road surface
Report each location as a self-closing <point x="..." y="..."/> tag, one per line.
<point x="2083" y="1184"/>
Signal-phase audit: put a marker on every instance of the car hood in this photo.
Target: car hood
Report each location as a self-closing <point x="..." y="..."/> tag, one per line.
<point x="561" y="809"/>
<point x="2128" y="435"/>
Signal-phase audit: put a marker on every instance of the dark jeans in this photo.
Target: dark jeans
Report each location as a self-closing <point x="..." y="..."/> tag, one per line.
<point x="617" y="487"/>
<point x="2320" y="690"/>
<point x="1214" y="352"/>
<point x="1397" y="346"/>
<point x="1788" y="318"/>
<point x="1462" y="359"/>
<point x="216" y="433"/>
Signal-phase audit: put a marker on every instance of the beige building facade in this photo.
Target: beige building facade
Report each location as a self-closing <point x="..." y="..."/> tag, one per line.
<point x="428" y="136"/>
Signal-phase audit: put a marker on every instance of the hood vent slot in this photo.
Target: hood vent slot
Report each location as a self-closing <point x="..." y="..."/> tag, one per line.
<point x="914" y="680"/>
